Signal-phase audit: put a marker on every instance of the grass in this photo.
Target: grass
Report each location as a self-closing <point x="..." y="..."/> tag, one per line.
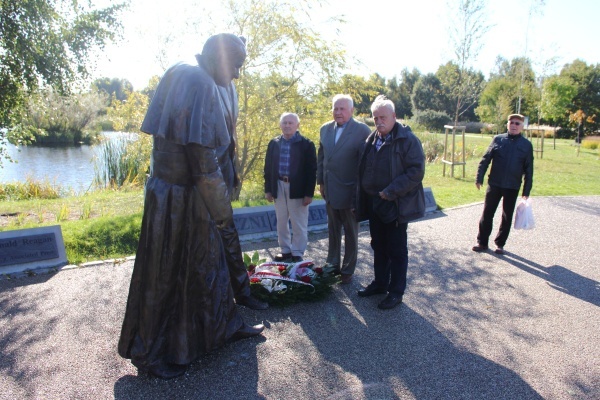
<point x="106" y="224"/>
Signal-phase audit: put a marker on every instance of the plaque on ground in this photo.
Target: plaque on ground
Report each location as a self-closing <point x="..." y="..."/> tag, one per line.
<point x="28" y="249"/>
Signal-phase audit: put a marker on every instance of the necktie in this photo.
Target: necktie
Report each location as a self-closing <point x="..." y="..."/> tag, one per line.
<point x="338" y="133"/>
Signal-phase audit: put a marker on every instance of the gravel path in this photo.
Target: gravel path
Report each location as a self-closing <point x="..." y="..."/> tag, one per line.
<point x="525" y="325"/>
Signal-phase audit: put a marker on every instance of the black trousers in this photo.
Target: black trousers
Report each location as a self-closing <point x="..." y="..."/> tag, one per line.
<point x="390" y="254"/>
<point x="493" y="195"/>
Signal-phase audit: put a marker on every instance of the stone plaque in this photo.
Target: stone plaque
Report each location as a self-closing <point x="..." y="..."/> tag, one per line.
<point x="250" y="220"/>
<point x="35" y="248"/>
<point x="317" y="213"/>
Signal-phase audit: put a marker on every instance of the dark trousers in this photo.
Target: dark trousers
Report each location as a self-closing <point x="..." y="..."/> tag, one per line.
<point x="336" y="219"/>
<point x="390" y="254"/>
<point x="493" y="195"/>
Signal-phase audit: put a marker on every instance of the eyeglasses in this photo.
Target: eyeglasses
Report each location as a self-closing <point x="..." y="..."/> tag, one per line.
<point x="517" y="123"/>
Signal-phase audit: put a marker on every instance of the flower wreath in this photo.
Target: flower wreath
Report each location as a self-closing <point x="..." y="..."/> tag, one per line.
<point x="281" y="283"/>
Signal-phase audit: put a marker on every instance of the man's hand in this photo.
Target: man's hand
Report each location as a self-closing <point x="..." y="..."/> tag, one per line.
<point x="306" y="201"/>
<point x="478" y="185"/>
<point x="269" y="197"/>
<point x="384" y="196"/>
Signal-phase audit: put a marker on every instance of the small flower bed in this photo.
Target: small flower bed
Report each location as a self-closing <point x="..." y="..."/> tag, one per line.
<point x="280" y="283"/>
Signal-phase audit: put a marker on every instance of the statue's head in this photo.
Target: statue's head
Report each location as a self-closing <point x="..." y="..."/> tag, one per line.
<point x="222" y="57"/>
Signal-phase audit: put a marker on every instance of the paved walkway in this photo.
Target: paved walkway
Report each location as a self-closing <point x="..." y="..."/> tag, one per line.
<point x="473" y="326"/>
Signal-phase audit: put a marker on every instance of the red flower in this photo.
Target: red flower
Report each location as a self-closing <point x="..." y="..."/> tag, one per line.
<point x="281" y="268"/>
<point x="254" y="280"/>
<point x="318" y="270"/>
<point x="305" y="279"/>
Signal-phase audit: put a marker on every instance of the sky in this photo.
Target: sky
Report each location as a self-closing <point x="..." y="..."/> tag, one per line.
<point x="383" y="36"/>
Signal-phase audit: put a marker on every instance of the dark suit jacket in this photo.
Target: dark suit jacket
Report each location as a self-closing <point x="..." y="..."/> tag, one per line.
<point x="337" y="163"/>
<point x="303" y="168"/>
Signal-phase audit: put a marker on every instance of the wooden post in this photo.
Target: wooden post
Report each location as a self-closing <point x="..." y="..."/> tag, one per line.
<point x="452" y="162"/>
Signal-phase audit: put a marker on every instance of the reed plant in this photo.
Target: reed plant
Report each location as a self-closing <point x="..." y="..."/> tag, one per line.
<point x="30" y="189"/>
<point x="123" y="162"/>
<point x="63" y="213"/>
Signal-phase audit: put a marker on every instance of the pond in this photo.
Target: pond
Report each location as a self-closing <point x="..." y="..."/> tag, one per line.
<point x="70" y="167"/>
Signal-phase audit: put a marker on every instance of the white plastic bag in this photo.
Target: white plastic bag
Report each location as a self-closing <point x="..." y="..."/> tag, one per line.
<point x="524" y="215"/>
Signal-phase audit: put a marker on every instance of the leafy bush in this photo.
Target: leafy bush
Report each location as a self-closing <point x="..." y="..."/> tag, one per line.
<point x="52" y="118"/>
<point x="474" y="127"/>
<point x="565" y="133"/>
<point x="431" y="120"/>
<point x="433" y="146"/>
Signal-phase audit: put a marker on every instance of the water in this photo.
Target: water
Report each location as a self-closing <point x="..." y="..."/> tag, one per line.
<point x="71" y="168"/>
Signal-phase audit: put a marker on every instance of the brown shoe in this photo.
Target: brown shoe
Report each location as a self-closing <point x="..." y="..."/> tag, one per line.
<point x="499" y="250"/>
<point x="479" y="248"/>
<point x="346" y="279"/>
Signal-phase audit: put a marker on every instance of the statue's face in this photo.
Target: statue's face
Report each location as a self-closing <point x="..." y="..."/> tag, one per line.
<point x="231" y="60"/>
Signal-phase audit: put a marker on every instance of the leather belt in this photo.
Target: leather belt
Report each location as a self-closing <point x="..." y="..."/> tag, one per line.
<point x="286" y="179"/>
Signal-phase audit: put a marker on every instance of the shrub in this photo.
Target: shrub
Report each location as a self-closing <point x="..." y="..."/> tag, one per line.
<point x="433" y="146"/>
<point x="431" y="120"/>
<point x="565" y="133"/>
<point x="591" y="142"/>
<point x="474" y="127"/>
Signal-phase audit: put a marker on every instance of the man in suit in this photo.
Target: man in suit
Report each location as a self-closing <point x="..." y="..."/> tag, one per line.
<point x="341" y="142"/>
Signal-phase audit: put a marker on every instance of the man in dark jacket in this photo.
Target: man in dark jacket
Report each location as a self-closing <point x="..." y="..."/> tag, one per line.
<point x="290" y="176"/>
<point x="390" y="194"/>
<point x="512" y="157"/>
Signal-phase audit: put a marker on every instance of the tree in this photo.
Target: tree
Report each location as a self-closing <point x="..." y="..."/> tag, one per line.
<point x="287" y="66"/>
<point x="587" y="81"/>
<point x="558" y="93"/>
<point x="47" y="42"/>
<point x="362" y="91"/>
<point x="461" y="90"/>
<point x="467" y="29"/>
<point x="428" y="94"/>
<point x="400" y="93"/>
<point x="500" y="97"/>
<point x="115" y="88"/>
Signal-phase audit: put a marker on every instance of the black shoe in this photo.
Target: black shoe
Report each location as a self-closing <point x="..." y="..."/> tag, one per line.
<point x="296" y="258"/>
<point x="371" y="290"/>
<point x="246" y="331"/>
<point x="391" y="301"/>
<point x="479" y="248"/>
<point x="336" y="270"/>
<point x="285" y="257"/>
<point x="252" y="303"/>
<point x="167" y="371"/>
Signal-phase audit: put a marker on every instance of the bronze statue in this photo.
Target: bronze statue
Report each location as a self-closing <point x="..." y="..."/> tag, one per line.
<point x="181" y="303"/>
